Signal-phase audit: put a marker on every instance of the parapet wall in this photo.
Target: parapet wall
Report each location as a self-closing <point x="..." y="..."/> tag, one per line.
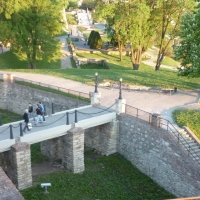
<point x="16" y="97"/>
<point x="155" y="152"/>
<point x="7" y="188"/>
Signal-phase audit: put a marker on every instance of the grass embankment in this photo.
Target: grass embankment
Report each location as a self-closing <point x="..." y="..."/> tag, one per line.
<point x="146" y="75"/>
<point x="105" y="178"/>
<point x="8" y="116"/>
<point x="189" y="118"/>
<point x="9" y="60"/>
<point x="67" y="93"/>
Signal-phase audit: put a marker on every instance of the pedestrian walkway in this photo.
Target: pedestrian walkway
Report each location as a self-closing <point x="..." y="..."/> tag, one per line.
<point x="65" y="59"/>
<point x="150" y="102"/>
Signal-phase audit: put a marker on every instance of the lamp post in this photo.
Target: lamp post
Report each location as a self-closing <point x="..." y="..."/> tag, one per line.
<point x="120" y="88"/>
<point x="96" y="82"/>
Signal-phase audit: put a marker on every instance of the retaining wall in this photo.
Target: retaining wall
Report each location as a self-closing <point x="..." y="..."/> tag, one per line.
<point x="155" y="152"/>
<point x="16" y="97"/>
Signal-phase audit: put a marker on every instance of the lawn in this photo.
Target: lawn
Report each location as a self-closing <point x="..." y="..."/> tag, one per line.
<point x="189" y="118"/>
<point x="9" y="60"/>
<point x="105" y="178"/>
<point x="169" y="61"/>
<point x="7" y="116"/>
<point x="146" y="75"/>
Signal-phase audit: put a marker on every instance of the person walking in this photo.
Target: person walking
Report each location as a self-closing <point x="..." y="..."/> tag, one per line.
<point x="39" y="114"/>
<point x="26" y="120"/>
<point x="30" y="111"/>
<point x="41" y="106"/>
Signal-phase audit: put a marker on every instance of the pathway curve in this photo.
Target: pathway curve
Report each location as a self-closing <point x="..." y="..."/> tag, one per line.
<point x="150" y="102"/>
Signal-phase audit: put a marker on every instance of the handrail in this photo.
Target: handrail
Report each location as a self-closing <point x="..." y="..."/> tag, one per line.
<point x="169" y="127"/>
<point x="68" y="91"/>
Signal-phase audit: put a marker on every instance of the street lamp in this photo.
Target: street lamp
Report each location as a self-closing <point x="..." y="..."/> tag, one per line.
<point x="96" y="82"/>
<point x="120" y="88"/>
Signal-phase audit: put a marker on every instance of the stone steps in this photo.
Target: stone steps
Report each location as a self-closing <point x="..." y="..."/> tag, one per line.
<point x="190" y="145"/>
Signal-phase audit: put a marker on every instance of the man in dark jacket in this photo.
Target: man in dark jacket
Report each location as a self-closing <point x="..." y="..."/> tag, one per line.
<point x="30" y="110"/>
<point x="26" y="120"/>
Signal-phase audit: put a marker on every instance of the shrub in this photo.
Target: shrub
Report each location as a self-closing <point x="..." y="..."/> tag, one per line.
<point x="96" y="41"/>
<point x="90" y="36"/>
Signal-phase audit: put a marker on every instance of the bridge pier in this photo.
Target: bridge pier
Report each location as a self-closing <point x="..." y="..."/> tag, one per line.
<point x="73" y="150"/>
<point x="103" y="138"/>
<point x="18" y="162"/>
<point x="95" y="98"/>
<point x="120" y="105"/>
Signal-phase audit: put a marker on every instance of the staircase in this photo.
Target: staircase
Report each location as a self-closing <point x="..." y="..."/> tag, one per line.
<point x="189" y="144"/>
<point x="185" y="138"/>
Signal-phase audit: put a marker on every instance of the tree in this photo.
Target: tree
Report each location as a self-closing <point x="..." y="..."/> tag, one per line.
<point x="128" y="22"/>
<point x="188" y="52"/>
<point x="30" y="28"/>
<point x="168" y="14"/>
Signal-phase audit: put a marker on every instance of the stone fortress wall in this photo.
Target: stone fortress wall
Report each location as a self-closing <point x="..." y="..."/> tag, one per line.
<point x="152" y="150"/>
<point x="16" y="97"/>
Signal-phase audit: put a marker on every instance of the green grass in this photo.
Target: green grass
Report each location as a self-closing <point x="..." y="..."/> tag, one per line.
<point x="171" y="62"/>
<point x="8" y="116"/>
<point x="189" y="118"/>
<point x="53" y="91"/>
<point x="9" y="60"/>
<point x="105" y="178"/>
<point x="146" y="75"/>
<point x="36" y="155"/>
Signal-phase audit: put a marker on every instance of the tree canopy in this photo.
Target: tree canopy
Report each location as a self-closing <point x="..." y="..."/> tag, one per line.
<point x="137" y="23"/>
<point x="188" y="52"/>
<point x="30" y="27"/>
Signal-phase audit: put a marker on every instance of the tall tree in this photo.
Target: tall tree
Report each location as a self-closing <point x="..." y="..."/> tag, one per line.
<point x="129" y="22"/>
<point x="188" y="52"/>
<point x="30" y="28"/>
<point x="169" y="14"/>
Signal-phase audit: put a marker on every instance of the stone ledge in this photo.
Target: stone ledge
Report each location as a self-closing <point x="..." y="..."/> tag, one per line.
<point x="7" y="188"/>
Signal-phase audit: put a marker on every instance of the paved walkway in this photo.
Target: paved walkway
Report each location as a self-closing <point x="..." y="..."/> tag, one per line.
<point x="150" y="102"/>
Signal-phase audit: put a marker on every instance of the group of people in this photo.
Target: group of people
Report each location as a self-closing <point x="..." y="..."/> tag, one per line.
<point x="28" y="114"/>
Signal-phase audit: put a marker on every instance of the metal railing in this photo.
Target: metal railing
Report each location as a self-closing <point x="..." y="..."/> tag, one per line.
<point x="79" y="94"/>
<point x="166" y="125"/>
<point x="141" y="114"/>
<point x="72" y="116"/>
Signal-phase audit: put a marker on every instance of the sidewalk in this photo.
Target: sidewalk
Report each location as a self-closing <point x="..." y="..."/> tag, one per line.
<point x="150" y="102"/>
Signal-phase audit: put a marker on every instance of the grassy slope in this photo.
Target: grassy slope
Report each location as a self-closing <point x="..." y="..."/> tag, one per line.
<point x="104" y="178"/>
<point x="9" y="60"/>
<point x="190" y="118"/>
<point x="144" y="76"/>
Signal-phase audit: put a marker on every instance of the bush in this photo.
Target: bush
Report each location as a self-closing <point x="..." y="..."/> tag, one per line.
<point x="95" y="40"/>
<point x="90" y="36"/>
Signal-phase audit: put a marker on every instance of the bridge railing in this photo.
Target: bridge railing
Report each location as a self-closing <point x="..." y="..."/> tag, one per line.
<point x="49" y="87"/>
<point x="166" y="125"/>
<point x="71" y="116"/>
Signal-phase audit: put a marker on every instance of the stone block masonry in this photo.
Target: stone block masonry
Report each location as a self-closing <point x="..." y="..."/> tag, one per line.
<point x="73" y="150"/>
<point x="7" y="189"/>
<point x="103" y="138"/>
<point x="18" y="162"/>
<point x="156" y="153"/>
<point x="15" y="97"/>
